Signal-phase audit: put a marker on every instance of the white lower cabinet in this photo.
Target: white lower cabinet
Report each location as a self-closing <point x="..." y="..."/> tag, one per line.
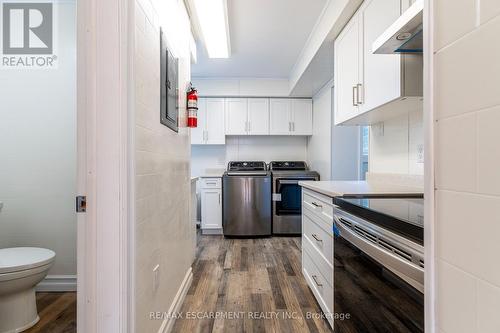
<point x="317" y="249"/>
<point x="211" y="205"/>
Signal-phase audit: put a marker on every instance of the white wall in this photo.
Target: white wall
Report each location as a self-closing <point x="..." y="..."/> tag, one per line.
<point x="38" y="152"/>
<point x="319" y="145"/>
<point x="163" y="230"/>
<point x="252" y="148"/>
<point x="394" y="149"/>
<point x="234" y="87"/>
<point x="467" y="111"/>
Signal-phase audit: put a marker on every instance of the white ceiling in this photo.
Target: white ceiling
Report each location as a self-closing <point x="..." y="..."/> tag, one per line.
<point x="267" y="37"/>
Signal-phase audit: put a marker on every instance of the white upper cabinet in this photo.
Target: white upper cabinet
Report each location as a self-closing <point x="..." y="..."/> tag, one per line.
<point x="347" y="71"/>
<point x="280" y="114"/>
<point x="302" y="117"/>
<point x="210" y="129"/>
<point x="215" y="121"/>
<point x="370" y="88"/>
<point x="290" y="116"/>
<point x="258" y="116"/>
<point x="247" y="116"/>
<point x="218" y="117"/>
<point x="198" y="133"/>
<point x="381" y="72"/>
<point x="236" y="116"/>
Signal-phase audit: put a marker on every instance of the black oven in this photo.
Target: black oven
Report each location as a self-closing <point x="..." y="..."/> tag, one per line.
<point x="379" y="264"/>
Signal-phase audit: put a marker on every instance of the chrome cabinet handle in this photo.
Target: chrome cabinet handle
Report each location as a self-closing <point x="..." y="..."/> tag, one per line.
<point x="316" y="238"/>
<point x="249" y="126"/>
<point x="315" y="204"/>
<point x="315" y="278"/>
<point x="359" y="90"/>
<point x="354" y="95"/>
<point x="219" y="198"/>
<point x="289" y="126"/>
<point x="293" y="126"/>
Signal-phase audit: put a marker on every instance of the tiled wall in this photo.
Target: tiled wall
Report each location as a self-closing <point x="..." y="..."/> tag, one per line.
<point x="467" y="110"/>
<point x="163" y="232"/>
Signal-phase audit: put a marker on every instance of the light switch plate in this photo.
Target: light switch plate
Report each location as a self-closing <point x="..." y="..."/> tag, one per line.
<point x="378" y="129"/>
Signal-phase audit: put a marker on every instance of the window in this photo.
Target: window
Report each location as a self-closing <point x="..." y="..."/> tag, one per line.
<point x="364" y="150"/>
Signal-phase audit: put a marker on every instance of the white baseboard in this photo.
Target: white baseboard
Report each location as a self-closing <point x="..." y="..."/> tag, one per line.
<point x="53" y="283"/>
<point x="168" y="323"/>
<point x="217" y="231"/>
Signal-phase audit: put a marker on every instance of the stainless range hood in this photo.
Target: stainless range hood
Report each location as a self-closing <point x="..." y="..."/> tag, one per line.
<point x="404" y="35"/>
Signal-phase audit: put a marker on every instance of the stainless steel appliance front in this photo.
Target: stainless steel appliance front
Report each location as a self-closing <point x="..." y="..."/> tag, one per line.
<point x="246" y="203"/>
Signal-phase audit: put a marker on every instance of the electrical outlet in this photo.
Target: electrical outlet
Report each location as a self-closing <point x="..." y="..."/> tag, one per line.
<point x="156" y="277"/>
<point x="420" y="153"/>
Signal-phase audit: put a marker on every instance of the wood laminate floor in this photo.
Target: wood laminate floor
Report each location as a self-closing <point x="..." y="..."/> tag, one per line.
<point x="249" y="285"/>
<point x="57" y="312"/>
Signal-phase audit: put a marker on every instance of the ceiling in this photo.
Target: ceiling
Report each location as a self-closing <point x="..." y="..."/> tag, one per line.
<point x="266" y="36"/>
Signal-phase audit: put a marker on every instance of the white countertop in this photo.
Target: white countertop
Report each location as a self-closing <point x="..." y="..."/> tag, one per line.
<point x="343" y="188"/>
<point x="211" y="175"/>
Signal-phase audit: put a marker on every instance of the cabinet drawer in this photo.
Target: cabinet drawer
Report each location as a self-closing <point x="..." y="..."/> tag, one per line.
<point x="319" y="260"/>
<point x="320" y="286"/>
<point x="320" y="236"/>
<point x="317" y="204"/>
<point x="210" y="183"/>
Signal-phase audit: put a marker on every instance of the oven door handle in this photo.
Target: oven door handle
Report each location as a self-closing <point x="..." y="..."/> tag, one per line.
<point x="289" y="181"/>
<point x="406" y="270"/>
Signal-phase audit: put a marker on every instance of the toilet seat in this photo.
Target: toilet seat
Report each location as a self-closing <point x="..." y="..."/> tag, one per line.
<point x="18" y="259"/>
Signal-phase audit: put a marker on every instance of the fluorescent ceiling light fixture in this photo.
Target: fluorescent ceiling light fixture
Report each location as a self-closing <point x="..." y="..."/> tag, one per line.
<point x="212" y="20"/>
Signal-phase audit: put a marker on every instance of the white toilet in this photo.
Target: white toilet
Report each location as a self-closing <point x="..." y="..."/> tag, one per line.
<point x="21" y="269"/>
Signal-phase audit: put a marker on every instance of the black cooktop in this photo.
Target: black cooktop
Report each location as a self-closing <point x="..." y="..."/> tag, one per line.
<point x="404" y="216"/>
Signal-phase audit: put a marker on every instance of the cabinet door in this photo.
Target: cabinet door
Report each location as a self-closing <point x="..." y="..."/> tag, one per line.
<point x="198" y="133"/>
<point x="280" y="117"/>
<point x="215" y="122"/>
<point x="258" y="116"/>
<point x="381" y="77"/>
<point x="236" y="116"/>
<point x="211" y="209"/>
<point x="302" y="117"/>
<point x="347" y="71"/>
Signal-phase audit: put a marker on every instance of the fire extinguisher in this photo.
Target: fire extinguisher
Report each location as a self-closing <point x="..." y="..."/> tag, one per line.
<point x="192" y="107"/>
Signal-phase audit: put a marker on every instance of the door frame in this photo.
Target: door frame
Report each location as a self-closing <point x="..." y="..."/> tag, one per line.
<point x="429" y="157"/>
<point x="103" y="172"/>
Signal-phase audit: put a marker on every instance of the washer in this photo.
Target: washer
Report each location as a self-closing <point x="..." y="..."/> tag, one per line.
<point x="246" y="193"/>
